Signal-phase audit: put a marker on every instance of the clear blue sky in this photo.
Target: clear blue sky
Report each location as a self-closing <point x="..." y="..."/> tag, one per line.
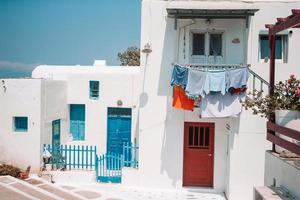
<point x="65" y="32"/>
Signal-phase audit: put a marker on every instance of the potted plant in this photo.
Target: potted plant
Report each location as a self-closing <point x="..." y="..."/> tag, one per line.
<point x="285" y="102"/>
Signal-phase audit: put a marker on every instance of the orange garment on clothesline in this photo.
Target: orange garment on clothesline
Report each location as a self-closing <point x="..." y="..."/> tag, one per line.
<point x="180" y="100"/>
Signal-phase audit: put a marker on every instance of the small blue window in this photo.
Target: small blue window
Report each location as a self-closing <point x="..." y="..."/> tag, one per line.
<point x="20" y="124"/>
<point x="264" y="47"/>
<point x="94" y="89"/>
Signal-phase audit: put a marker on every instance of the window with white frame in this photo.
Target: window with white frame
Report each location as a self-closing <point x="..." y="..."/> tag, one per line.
<point x="281" y="49"/>
<point x="206" y="47"/>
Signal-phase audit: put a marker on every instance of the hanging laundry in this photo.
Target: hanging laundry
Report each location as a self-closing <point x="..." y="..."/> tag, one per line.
<point x="179" y="76"/>
<point x="180" y="100"/>
<point x="237" y="91"/>
<point x="216" y="106"/>
<point x="236" y="78"/>
<point x="195" y="83"/>
<point x="215" y="82"/>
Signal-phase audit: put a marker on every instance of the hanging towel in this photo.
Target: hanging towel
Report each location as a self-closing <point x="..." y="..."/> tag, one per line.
<point x="215" y="82"/>
<point x="195" y="83"/>
<point x="216" y="106"/>
<point x="179" y="76"/>
<point x="180" y="100"/>
<point x="236" y="78"/>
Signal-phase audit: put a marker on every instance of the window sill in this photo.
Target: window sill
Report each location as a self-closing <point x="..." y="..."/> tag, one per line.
<point x="20" y="131"/>
<point x="276" y="61"/>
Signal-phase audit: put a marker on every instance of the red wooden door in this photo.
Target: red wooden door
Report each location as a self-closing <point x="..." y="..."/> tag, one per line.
<point x="198" y="160"/>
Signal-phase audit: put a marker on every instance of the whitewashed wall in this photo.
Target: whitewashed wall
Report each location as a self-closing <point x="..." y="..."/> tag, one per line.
<point x="245" y="143"/>
<point x="116" y="83"/>
<point x="42" y="101"/>
<point x="161" y="126"/>
<point x="268" y="14"/>
<point x="54" y="106"/>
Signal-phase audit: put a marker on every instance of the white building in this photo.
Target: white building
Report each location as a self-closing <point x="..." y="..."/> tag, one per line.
<point x="56" y="94"/>
<point x="240" y="143"/>
<point x="235" y="162"/>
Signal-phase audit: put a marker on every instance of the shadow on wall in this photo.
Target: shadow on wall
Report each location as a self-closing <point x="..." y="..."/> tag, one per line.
<point x="172" y="144"/>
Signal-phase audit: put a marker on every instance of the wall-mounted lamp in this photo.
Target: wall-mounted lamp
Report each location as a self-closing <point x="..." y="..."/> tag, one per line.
<point x="147" y="49"/>
<point x="3" y="85"/>
<point x="119" y="102"/>
<point x="208" y="22"/>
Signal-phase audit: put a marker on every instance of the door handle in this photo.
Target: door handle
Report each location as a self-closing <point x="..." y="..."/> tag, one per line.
<point x="210" y="154"/>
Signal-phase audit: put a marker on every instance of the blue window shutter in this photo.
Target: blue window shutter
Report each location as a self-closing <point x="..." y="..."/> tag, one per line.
<point x="77" y="121"/>
<point x="264" y="47"/>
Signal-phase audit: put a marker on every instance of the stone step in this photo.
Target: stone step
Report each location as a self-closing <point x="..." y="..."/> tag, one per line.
<point x="39" y="189"/>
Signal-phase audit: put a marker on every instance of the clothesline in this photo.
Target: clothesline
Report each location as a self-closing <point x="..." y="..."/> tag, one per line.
<point x="213" y="66"/>
<point x="219" y="90"/>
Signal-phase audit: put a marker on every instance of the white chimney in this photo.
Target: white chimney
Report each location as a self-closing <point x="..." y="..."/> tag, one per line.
<point x="99" y="63"/>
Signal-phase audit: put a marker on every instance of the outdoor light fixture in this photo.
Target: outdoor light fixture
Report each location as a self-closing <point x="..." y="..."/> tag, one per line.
<point x="119" y="102"/>
<point x="208" y="21"/>
<point x="147" y="49"/>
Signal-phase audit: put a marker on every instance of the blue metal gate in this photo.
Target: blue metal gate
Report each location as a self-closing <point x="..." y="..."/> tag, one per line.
<point x="109" y="168"/>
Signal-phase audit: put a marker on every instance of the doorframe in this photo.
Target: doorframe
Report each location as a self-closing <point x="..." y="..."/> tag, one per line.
<point x="212" y="124"/>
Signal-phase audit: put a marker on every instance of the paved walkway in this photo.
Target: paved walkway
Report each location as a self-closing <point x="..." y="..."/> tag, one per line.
<point x="39" y="189"/>
<point x="117" y="192"/>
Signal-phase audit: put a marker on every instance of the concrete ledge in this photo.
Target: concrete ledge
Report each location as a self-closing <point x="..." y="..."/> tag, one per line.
<point x="282" y="172"/>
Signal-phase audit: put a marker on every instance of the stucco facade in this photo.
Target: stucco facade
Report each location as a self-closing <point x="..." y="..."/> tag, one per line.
<point x="239" y="142"/>
<point x="158" y="128"/>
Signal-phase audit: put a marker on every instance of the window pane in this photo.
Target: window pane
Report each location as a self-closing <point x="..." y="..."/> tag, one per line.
<point x="21" y="123"/>
<point x="198" y="44"/>
<point x="215" y="44"/>
<point x="196" y="134"/>
<point x="94" y="89"/>
<point x="264" y="47"/>
<point x="278" y="49"/>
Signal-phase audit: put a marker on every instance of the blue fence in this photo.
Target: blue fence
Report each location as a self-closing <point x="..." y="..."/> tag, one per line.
<point x="72" y="157"/>
<point x="130" y="155"/>
<point x="109" y="168"/>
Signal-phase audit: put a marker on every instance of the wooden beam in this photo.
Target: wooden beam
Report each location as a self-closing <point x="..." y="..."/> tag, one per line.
<point x="290" y="22"/>
<point x="283" y="130"/>
<point x="281" y="19"/>
<point x="283" y="143"/>
<point x="295" y="11"/>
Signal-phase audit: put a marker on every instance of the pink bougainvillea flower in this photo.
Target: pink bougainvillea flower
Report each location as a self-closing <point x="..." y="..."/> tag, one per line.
<point x="298" y="92"/>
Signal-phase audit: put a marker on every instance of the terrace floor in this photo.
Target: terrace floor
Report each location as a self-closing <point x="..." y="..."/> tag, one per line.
<point x="39" y="189"/>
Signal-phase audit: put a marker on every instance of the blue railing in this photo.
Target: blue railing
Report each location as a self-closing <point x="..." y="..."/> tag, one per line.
<point x="130" y="155"/>
<point x="109" y="168"/>
<point x="72" y="157"/>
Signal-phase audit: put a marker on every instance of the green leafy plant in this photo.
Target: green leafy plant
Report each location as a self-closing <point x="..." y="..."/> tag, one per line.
<point x="286" y="97"/>
<point x="130" y="57"/>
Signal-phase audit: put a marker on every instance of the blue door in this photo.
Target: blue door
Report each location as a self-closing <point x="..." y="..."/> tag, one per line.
<point x="118" y="129"/>
<point x="56" y="132"/>
<point x="77" y="121"/>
